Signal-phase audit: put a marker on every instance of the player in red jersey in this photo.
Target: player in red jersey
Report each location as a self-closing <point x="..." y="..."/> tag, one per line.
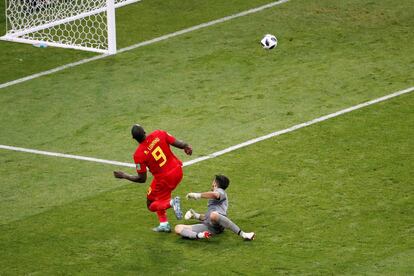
<point x="154" y="153"/>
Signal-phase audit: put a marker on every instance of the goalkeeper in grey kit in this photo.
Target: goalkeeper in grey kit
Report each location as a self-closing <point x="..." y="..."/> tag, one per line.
<point x="215" y="220"/>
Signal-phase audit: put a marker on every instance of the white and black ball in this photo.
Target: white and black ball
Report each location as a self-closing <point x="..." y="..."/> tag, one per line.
<point x="269" y="42"/>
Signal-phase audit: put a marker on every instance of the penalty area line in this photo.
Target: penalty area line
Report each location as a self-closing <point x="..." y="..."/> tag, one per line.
<point x="145" y="43"/>
<point x="298" y="126"/>
<point x="70" y="156"/>
<point x="229" y="149"/>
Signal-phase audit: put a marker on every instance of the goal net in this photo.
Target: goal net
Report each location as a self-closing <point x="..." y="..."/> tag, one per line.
<point x="79" y="24"/>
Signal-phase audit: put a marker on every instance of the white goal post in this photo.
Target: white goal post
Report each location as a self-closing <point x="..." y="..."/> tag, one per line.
<point x="87" y="25"/>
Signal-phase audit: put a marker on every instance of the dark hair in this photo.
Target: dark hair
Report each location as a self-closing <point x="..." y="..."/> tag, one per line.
<point x="138" y="133"/>
<point x="222" y="181"/>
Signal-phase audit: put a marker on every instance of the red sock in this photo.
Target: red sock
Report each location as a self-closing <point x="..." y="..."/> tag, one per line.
<point x="162" y="216"/>
<point x="159" y="205"/>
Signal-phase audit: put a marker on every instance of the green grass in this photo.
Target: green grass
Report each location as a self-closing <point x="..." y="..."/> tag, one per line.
<point x="334" y="198"/>
<point x="135" y="23"/>
<point x="331" y="198"/>
<point x="249" y="91"/>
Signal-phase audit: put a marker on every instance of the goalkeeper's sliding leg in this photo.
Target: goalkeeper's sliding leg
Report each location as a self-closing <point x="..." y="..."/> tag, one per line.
<point x="215" y="220"/>
<point x="225" y="222"/>
<point x="214" y="225"/>
<point x="193" y="232"/>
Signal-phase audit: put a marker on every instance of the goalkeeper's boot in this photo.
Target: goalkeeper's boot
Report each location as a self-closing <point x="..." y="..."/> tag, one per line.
<point x="204" y="235"/>
<point x="249" y="236"/>
<point x="175" y="203"/>
<point x="189" y="214"/>
<point x="162" y="228"/>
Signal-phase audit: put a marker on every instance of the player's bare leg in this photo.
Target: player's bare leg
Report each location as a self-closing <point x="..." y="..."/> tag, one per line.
<point x="227" y="223"/>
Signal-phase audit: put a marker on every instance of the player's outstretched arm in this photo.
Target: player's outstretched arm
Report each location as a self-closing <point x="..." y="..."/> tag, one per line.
<point x="140" y="178"/>
<point x="206" y="195"/>
<point x="184" y="146"/>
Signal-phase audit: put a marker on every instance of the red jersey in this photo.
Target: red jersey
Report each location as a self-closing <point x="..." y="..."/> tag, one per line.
<point x="155" y="153"/>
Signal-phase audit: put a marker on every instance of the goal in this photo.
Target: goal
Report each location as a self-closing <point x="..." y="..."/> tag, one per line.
<point x="78" y="24"/>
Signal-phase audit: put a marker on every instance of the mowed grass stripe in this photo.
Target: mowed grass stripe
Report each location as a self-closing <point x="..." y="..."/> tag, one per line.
<point x="334" y="198"/>
<point x="35" y="205"/>
<point x="90" y="111"/>
<point x="302" y="125"/>
<point x="250" y="92"/>
<point x="224" y="151"/>
<point x="33" y="184"/>
<point x="135" y="23"/>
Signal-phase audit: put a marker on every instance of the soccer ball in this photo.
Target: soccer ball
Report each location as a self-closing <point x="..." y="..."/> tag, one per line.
<point x="269" y="42"/>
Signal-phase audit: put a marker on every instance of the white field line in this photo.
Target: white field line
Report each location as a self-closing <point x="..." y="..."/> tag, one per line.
<point x="227" y="150"/>
<point x="70" y="156"/>
<point x="144" y="43"/>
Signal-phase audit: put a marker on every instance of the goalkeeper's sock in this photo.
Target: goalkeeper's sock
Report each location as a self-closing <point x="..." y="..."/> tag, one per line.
<point x="227" y="223"/>
<point x="187" y="233"/>
<point x="191" y="214"/>
<point x="190" y="234"/>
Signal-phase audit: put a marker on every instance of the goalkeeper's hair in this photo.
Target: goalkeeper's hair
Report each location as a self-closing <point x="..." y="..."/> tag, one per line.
<point x="222" y="181"/>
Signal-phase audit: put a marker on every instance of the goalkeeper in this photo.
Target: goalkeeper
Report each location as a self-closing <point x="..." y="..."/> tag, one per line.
<point x="215" y="220"/>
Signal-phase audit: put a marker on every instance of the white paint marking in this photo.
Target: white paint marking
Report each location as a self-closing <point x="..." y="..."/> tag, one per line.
<point x="295" y="127"/>
<point x="227" y="150"/>
<point x="145" y="43"/>
<point x="51" y="71"/>
<point x="77" y="157"/>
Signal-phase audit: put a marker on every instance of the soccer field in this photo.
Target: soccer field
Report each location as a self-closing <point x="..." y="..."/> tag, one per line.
<point x="336" y="197"/>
